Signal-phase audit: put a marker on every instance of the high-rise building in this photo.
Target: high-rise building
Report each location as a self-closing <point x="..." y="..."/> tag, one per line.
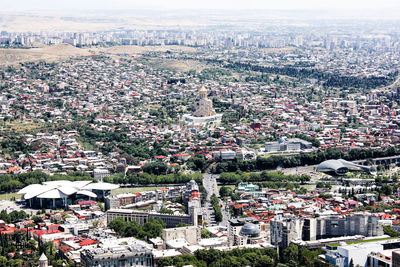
<point x="287" y="228"/>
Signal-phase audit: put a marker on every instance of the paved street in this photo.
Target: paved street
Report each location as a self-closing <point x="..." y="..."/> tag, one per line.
<point x="10" y="206"/>
<point x="210" y="184"/>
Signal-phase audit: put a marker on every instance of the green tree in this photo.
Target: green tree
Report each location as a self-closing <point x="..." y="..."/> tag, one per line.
<point x="166" y="211"/>
<point x="388" y="230"/>
<point x="31" y="244"/>
<point x="264" y="261"/>
<point x="156" y="168"/>
<point x="205" y="233"/>
<point x="118" y="225"/>
<point x="225" y="191"/>
<point x="290" y="253"/>
<point x="197" y="163"/>
<point x="165" y="262"/>
<point x="3" y="261"/>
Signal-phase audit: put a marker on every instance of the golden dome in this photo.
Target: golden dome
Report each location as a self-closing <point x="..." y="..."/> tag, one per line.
<point x="203" y="89"/>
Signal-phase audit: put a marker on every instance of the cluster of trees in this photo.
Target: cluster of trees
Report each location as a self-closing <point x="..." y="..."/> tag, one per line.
<point x="324" y="185"/>
<point x="313" y="158"/>
<point x="14" y="243"/>
<point x="213" y="73"/>
<point x="231" y="117"/>
<point x="136" y="148"/>
<point x="331" y="79"/>
<point x="27" y="252"/>
<point x="387" y="190"/>
<point x="388" y="230"/>
<point x="205" y="233"/>
<point x="13" y="216"/>
<point x="151" y="229"/>
<point x="146" y="179"/>
<point x="176" y="80"/>
<point x="264" y="176"/>
<point x="11" y="145"/>
<point x="197" y="163"/>
<point x="12" y="182"/>
<point x="216" y="207"/>
<point x="285" y="185"/>
<point x="292" y="256"/>
<point x="351" y="192"/>
<point x="366" y="82"/>
<point x="156" y="168"/>
<point x="258" y="78"/>
<point x="226" y="191"/>
<point x="275" y="180"/>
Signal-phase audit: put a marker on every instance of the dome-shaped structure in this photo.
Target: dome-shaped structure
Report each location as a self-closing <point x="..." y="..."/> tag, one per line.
<point x="203" y="89"/>
<point x="250" y="229"/>
<point x="341" y="166"/>
<point x="203" y="92"/>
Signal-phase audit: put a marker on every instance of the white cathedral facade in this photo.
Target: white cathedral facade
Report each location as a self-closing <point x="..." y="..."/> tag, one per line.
<point x="204" y="113"/>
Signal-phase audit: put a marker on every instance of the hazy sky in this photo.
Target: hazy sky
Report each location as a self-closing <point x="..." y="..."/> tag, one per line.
<point x="199" y="4"/>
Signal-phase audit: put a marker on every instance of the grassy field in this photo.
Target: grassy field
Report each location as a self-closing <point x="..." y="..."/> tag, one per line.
<point x="309" y="187"/>
<point x="134" y="189"/>
<point x="8" y="196"/>
<point x="23" y="126"/>
<point x="364" y="241"/>
<point x="178" y="65"/>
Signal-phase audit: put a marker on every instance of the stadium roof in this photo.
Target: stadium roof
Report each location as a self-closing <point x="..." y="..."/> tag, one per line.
<point x="63" y="188"/>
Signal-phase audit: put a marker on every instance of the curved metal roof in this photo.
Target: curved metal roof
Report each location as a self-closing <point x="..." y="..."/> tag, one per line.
<point x="39" y="190"/>
<point x="67" y="190"/>
<point x="86" y="193"/>
<point x="63" y="188"/>
<point x="54" y="193"/>
<point x="336" y="164"/>
<point x="100" y="186"/>
<point x="332" y="164"/>
<point x="29" y="188"/>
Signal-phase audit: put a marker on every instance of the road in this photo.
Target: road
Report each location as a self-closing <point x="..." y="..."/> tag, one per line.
<point x="210" y="184"/>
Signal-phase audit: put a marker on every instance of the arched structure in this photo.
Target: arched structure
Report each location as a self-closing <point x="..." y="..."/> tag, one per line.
<point x="341" y="167"/>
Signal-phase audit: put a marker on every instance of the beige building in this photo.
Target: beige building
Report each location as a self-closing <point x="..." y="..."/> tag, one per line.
<point x="205" y="106"/>
<point x="191" y="234"/>
<point x="204" y="113"/>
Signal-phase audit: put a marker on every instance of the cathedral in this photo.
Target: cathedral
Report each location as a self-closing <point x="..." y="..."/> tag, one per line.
<point x="204" y="113"/>
<point x="204" y="106"/>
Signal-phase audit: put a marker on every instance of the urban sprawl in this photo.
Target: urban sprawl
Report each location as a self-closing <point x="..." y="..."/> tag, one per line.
<point x="207" y="148"/>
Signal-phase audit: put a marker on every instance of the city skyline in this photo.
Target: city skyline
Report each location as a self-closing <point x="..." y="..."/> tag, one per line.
<point x="207" y="4"/>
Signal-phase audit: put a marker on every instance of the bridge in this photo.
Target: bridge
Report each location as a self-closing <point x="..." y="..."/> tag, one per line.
<point x="379" y="161"/>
